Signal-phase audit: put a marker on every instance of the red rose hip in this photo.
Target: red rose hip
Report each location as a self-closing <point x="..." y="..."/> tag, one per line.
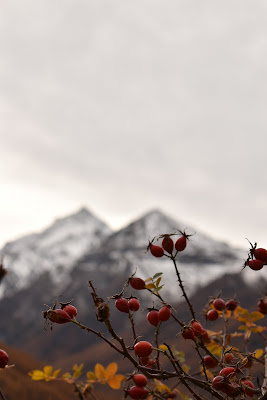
<point x="181" y="243"/>
<point x="164" y="313"/>
<point x="122" y="305"/>
<point x="153" y="317"/>
<point x="197" y="328"/>
<point x="231" y="305"/>
<point x="210" y="362"/>
<point x="140" y="380"/>
<point x="188" y="333"/>
<point x="58" y="316"/>
<point x="134" y="304"/>
<point x="256" y="265"/>
<point x="3" y="358"/>
<point x="71" y="310"/>
<point x="137" y="392"/>
<point x="167" y="244"/>
<point x="219" y="304"/>
<point x="143" y="349"/>
<point x="260" y="254"/>
<point x="137" y="283"/>
<point x="212" y="315"/>
<point x="249" y="384"/>
<point x="156" y="251"/>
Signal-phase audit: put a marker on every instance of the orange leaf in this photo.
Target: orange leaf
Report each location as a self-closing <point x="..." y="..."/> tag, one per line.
<point x="115" y="382"/>
<point x="255" y="316"/>
<point x="100" y="372"/>
<point x="111" y="370"/>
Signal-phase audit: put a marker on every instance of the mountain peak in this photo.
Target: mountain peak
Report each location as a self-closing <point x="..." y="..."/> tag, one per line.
<point x="55" y="249"/>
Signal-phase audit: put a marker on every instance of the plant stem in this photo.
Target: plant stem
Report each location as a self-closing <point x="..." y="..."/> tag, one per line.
<point x="133" y="327"/>
<point x="182" y="288"/>
<point x="2" y="395"/>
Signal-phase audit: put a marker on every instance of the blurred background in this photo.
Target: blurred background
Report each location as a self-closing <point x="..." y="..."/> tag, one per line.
<point x="121" y="120"/>
<point x="126" y="106"/>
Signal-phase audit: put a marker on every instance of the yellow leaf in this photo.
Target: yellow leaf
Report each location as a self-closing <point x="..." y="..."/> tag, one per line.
<point x="161" y="387"/>
<point x="67" y="375"/>
<point x="148" y="279"/>
<point x="185" y="368"/>
<point x="111" y="370"/>
<point x="77" y="370"/>
<point x="214" y="348"/>
<point x="242" y="327"/>
<point x="115" y="382"/>
<point x="150" y="286"/>
<point x="163" y="347"/>
<point x="158" y="281"/>
<point x="257" y="329"/>
<point x="99" y="371"/>
<point x="243" y="319"/>
<point x="56" y="372"/>
<point x="37" y="375"/>
<point x="208" y="373"/>
<point x="255" y="315"/>
<point x="240" y="310"/>
<point x="258" y="353"/>
<point x="48" y="370"/>
<point x="91" y="376"/>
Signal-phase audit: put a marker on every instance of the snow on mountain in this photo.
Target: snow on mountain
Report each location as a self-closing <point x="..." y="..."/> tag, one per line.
<point x="81" y="243"/>
<point x="204" y="259"/>
<point x="56" y="250"/>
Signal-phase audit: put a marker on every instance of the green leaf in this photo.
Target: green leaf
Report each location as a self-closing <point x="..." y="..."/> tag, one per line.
<point x="157" y="275"/>
<point x="242" y="327"/>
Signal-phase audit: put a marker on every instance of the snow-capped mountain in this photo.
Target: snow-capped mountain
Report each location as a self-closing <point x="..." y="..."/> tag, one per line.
<point x="204" y="259"/>
<point x="78" y="248"/>
<point x="56" y="250"/>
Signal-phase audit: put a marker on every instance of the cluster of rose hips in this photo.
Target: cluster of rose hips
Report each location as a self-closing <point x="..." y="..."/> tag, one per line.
<point x="226" y="382"/>
<point x="126" y="305"/>
<point x="3" y="358"/>
<point x="220" y="305"/>
<point x="257" y="258"/>
<point x="195" y="331"/>
<point x="154" y="317"/>
<point x="168" y="245"/>
<point x="143" y="350"/>
<point x="61" y="315"/>
<point x="138" y="391"/>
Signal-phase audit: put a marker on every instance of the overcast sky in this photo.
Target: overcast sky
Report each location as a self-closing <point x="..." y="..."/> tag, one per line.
<point x="123" y="106"/>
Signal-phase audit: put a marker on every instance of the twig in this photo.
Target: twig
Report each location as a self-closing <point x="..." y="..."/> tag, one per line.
<point x="182" y="287"/>
<point x="2" y="395"/>
<point x="264" y="384"/>
<point x="99" y="334"/>
<point x="77" y="389"/>
<point x="133" y="327"/>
